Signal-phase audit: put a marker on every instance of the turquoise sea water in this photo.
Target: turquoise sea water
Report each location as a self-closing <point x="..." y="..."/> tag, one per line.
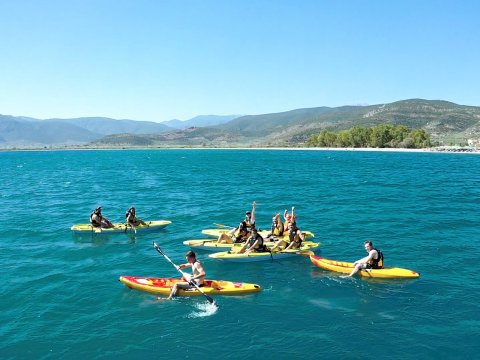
<point x="61" y="298"/>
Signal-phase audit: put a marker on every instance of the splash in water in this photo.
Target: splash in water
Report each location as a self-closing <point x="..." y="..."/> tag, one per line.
<point x="205" y="309"/>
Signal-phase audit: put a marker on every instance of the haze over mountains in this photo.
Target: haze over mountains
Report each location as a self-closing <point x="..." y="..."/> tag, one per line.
<point x="443" y="120"/>
<point x="25" y="131"/>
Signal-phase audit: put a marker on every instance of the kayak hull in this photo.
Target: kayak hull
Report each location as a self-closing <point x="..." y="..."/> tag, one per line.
<point x="213" y="246"/>
<point x="163" y="286"/>
<point x="216" y="233"/>
<point x="120" y="228"/>
<point x="346" y="268"/>
<point x="262" y="256"/>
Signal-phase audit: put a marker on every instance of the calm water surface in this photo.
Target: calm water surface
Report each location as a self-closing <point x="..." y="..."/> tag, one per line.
<point x="60" y="296"/>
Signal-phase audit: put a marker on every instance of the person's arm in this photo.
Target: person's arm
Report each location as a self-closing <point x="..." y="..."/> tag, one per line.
<point x="253" y="246"/>
<point x="285" y="213"/>
<point x="365" y="259"/>
<point x="254" y="206"/>
<point x="293" y="213"/>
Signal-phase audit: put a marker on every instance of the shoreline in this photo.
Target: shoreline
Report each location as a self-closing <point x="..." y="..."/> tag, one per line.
<point x="441" y="150"/>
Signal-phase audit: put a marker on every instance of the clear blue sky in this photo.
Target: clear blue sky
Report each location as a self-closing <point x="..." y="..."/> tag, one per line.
<point x="158" y="60"/>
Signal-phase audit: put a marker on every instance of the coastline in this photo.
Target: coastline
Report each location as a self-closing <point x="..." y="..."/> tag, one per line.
<point x="442" y="150"/>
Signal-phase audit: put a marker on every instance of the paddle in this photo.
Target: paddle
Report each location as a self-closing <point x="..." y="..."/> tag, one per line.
<point x="210" y="300"/>
<point x="224" y="226"/>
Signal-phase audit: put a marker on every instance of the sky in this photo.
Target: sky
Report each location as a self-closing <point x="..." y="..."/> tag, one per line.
<point x="158" y="60"/>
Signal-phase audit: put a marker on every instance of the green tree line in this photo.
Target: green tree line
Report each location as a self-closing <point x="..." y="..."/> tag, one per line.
<point x="380" y="136"/>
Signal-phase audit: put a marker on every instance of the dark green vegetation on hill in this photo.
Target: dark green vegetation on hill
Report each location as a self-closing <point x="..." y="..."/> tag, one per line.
<point x="380" y="136"/>
<point x="445" y="122"/>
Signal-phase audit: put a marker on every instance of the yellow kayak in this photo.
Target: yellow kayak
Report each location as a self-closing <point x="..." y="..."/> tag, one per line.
<point x="121" y="227"/>
<point x="163" y="286"/>
<point x="262" y="256"/>
<point x="212" y="245"/>
<point x="346" y="268"/>
<point x="216" y="233"/>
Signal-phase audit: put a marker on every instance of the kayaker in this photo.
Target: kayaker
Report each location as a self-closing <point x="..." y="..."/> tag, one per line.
<point x="289" y="217"/>
<point x="234" y="236"/>
<point x="295" y="239"/>
<point x="276" y="229"/>
<point x="99" y="221"/>
<point x="254" y="243"/>
<point x="374" y="259"/>
<point x="131" y="218"/>
<point x="250" y="217"/>
<point x="198" y="274"/>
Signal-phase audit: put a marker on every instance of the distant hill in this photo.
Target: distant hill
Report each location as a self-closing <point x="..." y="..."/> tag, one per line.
<point x="22" y="131"/>
<point x="18" y="131"/>
<point x="107" y="126"/>
<point x="443" y="120"/>
<point x="200" y="121"/>
<point x="446" y="122"/>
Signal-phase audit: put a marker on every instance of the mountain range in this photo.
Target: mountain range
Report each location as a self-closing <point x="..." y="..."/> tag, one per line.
<point x="445" y="122"/>
<point x="25" y="131"/>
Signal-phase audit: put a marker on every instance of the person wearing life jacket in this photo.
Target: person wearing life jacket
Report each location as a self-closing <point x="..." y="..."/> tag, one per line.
<point x="235" y="236"/>
<point x="374" y="259"/>
<point x="295" y="239"/>
<point x="250" y="217"/>
<point x="99" y="221"/>
<point x="197" y="277"/>
<point x="254" y="243"/>
<point x="276" y="229"/>
<point x="289" y="218"/>
<point x="131" y="218"/>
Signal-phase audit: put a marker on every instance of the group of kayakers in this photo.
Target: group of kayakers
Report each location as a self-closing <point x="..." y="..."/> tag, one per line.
<point x="284" y="234"/>
<point x="246" y="232"/>
<point x="97" y="220"/>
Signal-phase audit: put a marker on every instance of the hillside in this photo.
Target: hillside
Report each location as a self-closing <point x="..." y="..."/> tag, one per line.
<point x="444" y="121"/>
<point x="22" y="131"/>
<point x="200" y="121"/>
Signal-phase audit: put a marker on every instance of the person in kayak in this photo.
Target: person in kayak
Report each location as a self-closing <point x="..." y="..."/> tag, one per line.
<point x="374" y="259"/>
<point x="198" y="275"/>
<point x="254" y="243"/>
<point x="295" y="239"/>
<point x="250" y="217"/>
<point x="289" y="217"/>
<point x="99" y="221"/>
<point x="131" y="218"/>
<point x="234" y="236"/>
<point x="276" y="229"/>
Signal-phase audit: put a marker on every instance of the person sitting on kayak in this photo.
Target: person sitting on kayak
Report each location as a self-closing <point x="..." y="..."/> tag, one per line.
<point x="289" y="218"/>
<point x="295" y="238"/>
<point x="198" y="275"/>
<point x="98" y="221"/>
<point x="131" y="218"/>
<point x="374" y="259"/>
<point x="234" y="236"/>
<point x="276" y="229"/>
<point x="250" y="217"/>
<point x="254" y="243"/>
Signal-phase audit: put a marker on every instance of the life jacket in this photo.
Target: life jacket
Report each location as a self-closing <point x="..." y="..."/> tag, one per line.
<point x="260" y="246"/>
<point x="240" y="236"/>
<point x="94" y="222"/>
<point x="130" y="211"/>
<point x="378" y="262"/>
<point x="248" y="221"/>
<point x="294" y="236"/>
<point x="275" y="230"/>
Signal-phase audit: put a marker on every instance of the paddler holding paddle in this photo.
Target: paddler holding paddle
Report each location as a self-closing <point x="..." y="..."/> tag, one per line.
<point x="374" y="259"/>
<point x="197" y="277"/>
